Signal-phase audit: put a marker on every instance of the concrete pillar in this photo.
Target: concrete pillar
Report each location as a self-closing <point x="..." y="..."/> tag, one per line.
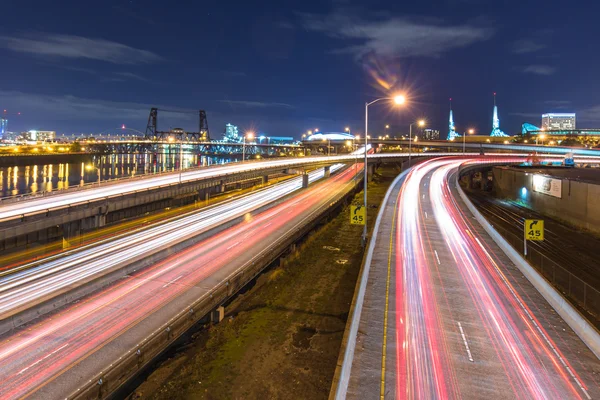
<point x="265" y="179"/>
<point x="370" y="171"/>
<point x="304" y="181"/>
<point x="100" y="220"/>
<point x="327" y="171"/>
<point x="218" y="314"/>
<point x="222" y="187"/>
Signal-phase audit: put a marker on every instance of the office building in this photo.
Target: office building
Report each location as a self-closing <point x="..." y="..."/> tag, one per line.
<point x="430" y="134"/>
<point x="558" y="122"/>
<point x="39" y="136"/>
<point x="232" y="134"/>
<point x="3" y="127"/>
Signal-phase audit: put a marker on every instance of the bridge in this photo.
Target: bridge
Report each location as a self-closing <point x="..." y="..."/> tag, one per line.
<point x="174" y="273"/>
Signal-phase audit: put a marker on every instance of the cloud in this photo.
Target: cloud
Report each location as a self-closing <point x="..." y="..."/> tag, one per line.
<point x="539" y="69"/>
<point x="589" y="115"/>
<point x="69" y="107"/>
<point x="131" y="75"/>
<point x="394" y="36"/>
<point x="558" y="102"/>
<point x="526" y="115"/>
<point x="525" y="46"/>
<point x="256" y="104"/>
<point x="71" y="46"/>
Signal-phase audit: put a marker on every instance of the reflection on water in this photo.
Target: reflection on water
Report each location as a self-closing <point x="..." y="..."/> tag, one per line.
<point x="46" y="178"/>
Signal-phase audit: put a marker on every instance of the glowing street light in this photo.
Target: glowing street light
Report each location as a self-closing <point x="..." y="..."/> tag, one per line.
<point x="249" y="135"/>
<point x="347" y="129"/>
<point x="398" y="99"/>
<point x="470" y="131"/>
<point x="421" y="123"/>
<point x="328" y="145"/>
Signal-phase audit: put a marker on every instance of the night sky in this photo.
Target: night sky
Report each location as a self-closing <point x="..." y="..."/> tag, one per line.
<point x="283" y="67"/>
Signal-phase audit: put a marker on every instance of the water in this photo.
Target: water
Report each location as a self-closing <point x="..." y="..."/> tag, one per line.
<point x="50" y="177"/>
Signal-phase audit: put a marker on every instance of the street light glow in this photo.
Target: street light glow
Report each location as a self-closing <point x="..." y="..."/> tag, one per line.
<point x="250" y="135"/>
<point x="399" y="99"/>
<point x="347" y="129"/>
<point x="471" y="131"/>
<point x="422" y="122"/>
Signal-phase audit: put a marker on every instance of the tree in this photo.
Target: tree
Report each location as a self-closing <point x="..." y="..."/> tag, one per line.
<point x="75" y="147"/>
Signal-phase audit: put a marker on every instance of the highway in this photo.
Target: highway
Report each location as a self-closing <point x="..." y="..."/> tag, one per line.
<point x="11" y="209"/>
<point x="446" y="314"/>
<point x="56" y="355"/>
<point x="34" y="283"/>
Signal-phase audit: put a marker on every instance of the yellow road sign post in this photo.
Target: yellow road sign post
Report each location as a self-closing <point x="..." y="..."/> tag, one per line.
<point x="358" y="215"/>
<point x="533" y="230"/>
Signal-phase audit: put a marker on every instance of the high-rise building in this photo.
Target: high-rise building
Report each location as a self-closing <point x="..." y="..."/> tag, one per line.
<point x="39" y="136"/>
<point x="232" y="133"/>
<point x="558" y="122"/>
<point x="3" y="127"/>
<point x="451" y="128"/>
<point x="430" y="134"/>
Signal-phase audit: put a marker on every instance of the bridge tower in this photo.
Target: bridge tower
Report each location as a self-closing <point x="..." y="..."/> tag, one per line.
<point x="451" y="128"/>
<point x="496" y="131"/>
<point x="152" y="132"/>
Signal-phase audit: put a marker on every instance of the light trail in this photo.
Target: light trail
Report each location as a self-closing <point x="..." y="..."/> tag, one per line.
<point x="52" y="355"/>
<point x="40" y="281"/>
<point x="530" y="361"/>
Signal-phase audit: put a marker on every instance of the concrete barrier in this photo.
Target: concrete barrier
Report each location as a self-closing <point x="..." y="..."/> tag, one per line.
<point x="342" y="374"/>
<point x="586" y="332"/>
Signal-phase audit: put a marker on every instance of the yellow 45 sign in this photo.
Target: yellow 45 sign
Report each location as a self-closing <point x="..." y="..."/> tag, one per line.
<point x="534" y="229"/>
<point x="358" y="215"/>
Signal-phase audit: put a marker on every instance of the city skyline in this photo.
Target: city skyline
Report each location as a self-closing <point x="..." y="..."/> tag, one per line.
<point x="284" y="70"/>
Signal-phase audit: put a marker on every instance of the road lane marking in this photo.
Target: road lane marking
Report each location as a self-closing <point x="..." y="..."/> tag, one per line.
<point x="173" y="281"/>
<point x="425" y="214"/>
<point x="437" y="257"/>
<point x="387" y="302"/>
<point x="462" y="333"/>
<point x="43" y="358"/>
<point x="233" y="245"/>
<point x="533" y="321"/>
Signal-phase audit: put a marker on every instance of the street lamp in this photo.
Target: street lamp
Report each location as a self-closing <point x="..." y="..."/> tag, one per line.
<point x="421" y="123"/>
<point x="471" y="131"/>
<point x="399" y="100"/>
<point x="347" y="129"/>
<point x="542" y="136"/>
<point x="248" y="135"/>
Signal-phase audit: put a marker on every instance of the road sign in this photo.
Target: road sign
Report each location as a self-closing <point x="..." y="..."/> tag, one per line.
<point x="358" y="215"/>
<point x="534" y="229"/>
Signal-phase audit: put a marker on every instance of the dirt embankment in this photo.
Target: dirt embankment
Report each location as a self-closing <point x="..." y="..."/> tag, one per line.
<point x="281" y="339"/>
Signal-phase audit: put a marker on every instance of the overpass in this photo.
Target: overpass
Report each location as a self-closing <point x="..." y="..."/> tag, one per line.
<point x="33" y="218"/>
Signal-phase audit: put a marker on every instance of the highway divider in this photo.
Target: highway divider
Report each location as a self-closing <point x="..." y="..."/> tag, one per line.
<point x="586" y="331"/>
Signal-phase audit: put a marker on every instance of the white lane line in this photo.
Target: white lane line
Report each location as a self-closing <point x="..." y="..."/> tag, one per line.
<point x="173" y="281"/>
<point x="425" y="214"/>
<point x="43" y="358"/>
<point x="533" y="321"/>
<point x="437" y="257"/>
<point x="462" y="333"/>
<point x="233" y="245"/>
<point x="264" y="226"/>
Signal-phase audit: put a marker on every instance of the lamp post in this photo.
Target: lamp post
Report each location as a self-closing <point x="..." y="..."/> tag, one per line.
<point x="328" y="146"/>
<point x="399" y="100"/>
<point x="471" y="131"/>
<point x="248" y="135"/>
<point x="542" y="136"/>
<point x="420" y="123"/>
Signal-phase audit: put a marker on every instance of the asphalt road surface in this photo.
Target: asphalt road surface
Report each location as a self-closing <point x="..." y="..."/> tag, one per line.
<point x="53" y="357"/>
<point x="447" y="315"/>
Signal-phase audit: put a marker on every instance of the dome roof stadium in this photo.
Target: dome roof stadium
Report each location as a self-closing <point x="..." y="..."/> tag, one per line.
<point x="330" y="136"/>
